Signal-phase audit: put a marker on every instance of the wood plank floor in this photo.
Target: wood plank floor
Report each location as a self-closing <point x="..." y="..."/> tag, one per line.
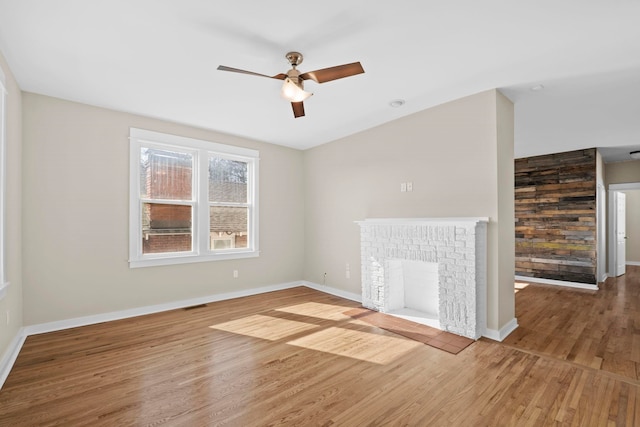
<point x="600" y="329"/>
<point x="294" y="358"/>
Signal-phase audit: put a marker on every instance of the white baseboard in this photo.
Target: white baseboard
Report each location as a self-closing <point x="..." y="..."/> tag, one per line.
<point x="633" y="263"/>
<point x="604" y="277"/>
<point x="558" y="283"/>
<point x="141" y="311"/>
<point x="11" y="354"/>
<point x="504" y="332"/>
<point x="333" y="291"/>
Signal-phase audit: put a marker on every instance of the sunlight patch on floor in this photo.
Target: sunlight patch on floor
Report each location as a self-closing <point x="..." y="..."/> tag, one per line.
<point x="265" y="327"/>
<point x="380" y="349"/>
<point x="316" y="309"/>
<point x="520" y="286"/>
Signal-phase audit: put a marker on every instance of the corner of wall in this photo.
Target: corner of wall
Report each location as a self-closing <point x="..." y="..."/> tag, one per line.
<point x="11" y="305"/>
<point x="506" y="208"/>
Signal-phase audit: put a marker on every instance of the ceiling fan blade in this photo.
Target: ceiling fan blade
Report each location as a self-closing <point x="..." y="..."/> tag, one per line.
<point x="333" y="73"/>
<point x="251" y="73"/>
<point x="298" y="109"/>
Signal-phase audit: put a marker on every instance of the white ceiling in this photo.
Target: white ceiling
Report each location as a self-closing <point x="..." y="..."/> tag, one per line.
<point x="159" y="57"/>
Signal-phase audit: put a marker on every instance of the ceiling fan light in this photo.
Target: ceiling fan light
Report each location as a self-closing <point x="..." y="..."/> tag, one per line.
<point x="292" y="92"/>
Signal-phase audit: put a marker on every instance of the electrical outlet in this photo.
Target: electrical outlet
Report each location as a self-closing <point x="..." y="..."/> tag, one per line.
<point x="409" y="186"/>
<point x="403" y="187"/>
<point x="347" y="274"/>
<point x="235" y="274"/>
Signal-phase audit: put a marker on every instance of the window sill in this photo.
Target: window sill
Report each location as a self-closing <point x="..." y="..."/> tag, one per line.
<point x="188" y="259"/>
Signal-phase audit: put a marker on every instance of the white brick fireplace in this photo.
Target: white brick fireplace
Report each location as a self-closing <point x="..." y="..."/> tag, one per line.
<point x="429" y="270"/>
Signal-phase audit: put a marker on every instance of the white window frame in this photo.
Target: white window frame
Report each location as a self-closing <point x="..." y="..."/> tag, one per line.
<point x="201" y="151"/>
<point x="4" y="284"/>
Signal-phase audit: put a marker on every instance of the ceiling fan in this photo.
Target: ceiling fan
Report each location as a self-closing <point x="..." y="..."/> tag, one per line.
<point x="293" y="86"/>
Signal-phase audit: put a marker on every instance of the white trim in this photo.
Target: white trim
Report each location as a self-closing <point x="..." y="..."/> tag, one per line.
<point x="504" y="332"/>
<point x="633" y="263"/>
<point x="558" y="283"/>
<point x="11" y="354"/>
<point x="201" y="151"/>
<point x="421" y="221"/>
<point x="333" y="291"/>
<point x="177" y="258"/>
<point x="15" y="346"/>
<point x="604" y="277"/>
<point x="612" y="253"/>
<point x="13" y="350"/>
<point x="3" y="182"/>
<point x="601" y="226"/>
<point x="141" y="311"/>
<point x="149" y="136"/>
<point x="614" y="196"/>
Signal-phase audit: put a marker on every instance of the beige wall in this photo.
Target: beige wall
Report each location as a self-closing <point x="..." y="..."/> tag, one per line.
<point x="633" y="225"/>
<point x="505" y="262"/>
<point x="459" y="157"/>
<point x="76" y="185"/>
<point x="622" y="172"/>
<point x="12" y="302"/>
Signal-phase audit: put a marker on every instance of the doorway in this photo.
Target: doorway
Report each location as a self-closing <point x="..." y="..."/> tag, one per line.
<point x="617" y="231"/>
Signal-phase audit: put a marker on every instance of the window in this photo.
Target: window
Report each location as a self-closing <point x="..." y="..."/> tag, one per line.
<point x="190" y="200"/>
<point x="3" y="173"/>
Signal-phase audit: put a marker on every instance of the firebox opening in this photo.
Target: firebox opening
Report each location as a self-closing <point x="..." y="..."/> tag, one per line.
<point x="413" y="291"/>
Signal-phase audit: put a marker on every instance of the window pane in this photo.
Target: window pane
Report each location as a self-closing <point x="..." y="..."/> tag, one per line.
<point x="166" y="228"/>
<point x="227" y="180"/>
<point x="165" y="174"/>
<point x="228" y="227"/>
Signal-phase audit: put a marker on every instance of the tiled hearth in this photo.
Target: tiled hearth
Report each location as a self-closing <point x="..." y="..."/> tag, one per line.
<point x="458" y="246"/>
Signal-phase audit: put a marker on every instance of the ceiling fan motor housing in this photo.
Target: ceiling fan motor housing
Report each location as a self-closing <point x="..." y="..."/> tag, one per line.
<point x="294" y="76"/>
<point x="294" y="58"/>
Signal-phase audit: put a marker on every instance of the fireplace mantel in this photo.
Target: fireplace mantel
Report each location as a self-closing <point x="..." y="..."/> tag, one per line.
<point x="457" y="245"/>
<point x="422" y="221"/>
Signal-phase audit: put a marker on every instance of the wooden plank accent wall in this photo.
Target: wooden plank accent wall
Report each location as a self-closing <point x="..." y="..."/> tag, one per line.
<point x="555" y="202"/>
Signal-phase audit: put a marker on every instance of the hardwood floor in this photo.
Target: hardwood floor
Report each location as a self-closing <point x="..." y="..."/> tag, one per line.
<point x="599" y="329"/>
<point x="294" y="358"/>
